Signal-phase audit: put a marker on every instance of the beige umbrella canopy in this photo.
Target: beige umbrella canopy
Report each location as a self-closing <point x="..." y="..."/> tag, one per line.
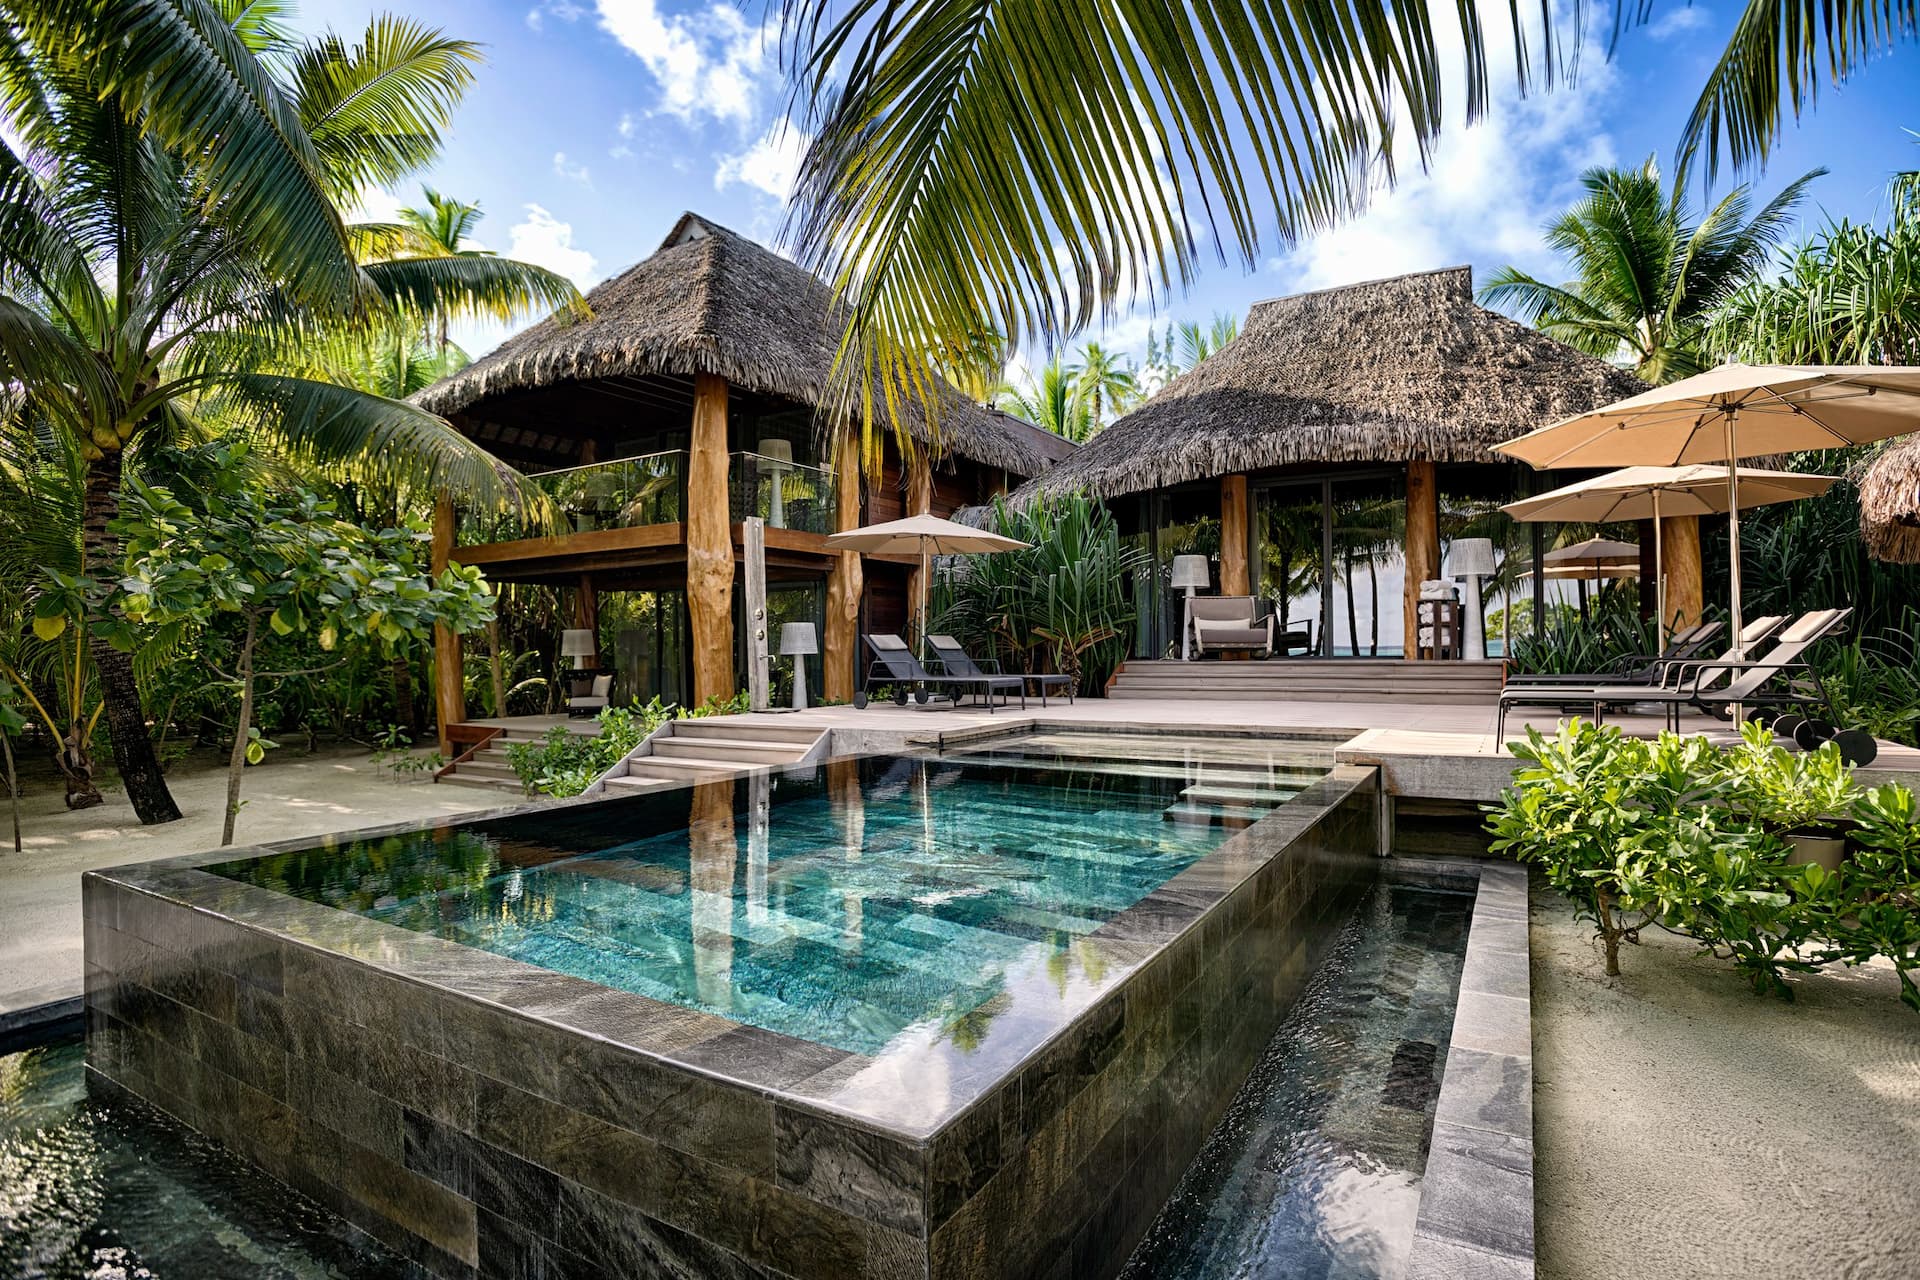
<point x="924" y="536"/>
<point x="1733" y="412"/>
<point x="1890" y="504"/>
<point x="1656" y="493"/>
<point x="1586" y="573"/>
<point x="1594" y="553"/>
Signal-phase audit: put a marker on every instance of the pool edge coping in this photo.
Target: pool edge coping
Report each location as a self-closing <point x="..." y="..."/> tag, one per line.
<point x="1476" y="1214"/>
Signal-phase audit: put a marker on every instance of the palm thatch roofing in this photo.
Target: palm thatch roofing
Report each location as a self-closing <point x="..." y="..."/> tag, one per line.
<point x="1385" y="371"/>
<point x="1890" y="504"/>
<point x="712" y="301"/>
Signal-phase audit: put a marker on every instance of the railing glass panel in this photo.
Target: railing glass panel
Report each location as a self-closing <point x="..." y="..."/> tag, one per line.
<point x="787" y="495"/>
<point x="621" y="494"/>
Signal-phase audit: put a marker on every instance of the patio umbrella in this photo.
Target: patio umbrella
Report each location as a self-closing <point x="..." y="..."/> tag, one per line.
<point x="1652" y="493"/>
<point x="925" y="536"/>
<point x="1594" y="553"/>
<point x="1733" y="412"/>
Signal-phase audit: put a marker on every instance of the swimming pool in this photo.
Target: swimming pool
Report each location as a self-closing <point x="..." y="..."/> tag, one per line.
<point x="931" y="1015"/>
<point x="848" y="909"/>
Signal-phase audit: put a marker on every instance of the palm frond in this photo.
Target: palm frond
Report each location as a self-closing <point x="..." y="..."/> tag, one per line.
<point x="1780" y="53"/>
<point x="473" y="285"/>
<point x="1035" y="166"/>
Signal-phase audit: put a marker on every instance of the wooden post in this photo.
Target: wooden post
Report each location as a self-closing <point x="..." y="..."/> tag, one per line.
<point x="1235" y="580"/>
<point x="754" y="537"/>
<point x="586" y="616"/>
<point x="919" y="503"/>
<point x="1686" y="586"/>
<point x="709" y="543"/>
<point x="449" y="685"/>
<point x="1423" y="543"/>
<point x="1649" y="584"/>
<point x="845" y="585"/>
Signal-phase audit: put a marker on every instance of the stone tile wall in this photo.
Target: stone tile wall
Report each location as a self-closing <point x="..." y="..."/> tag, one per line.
<point x="488" y="1119"/>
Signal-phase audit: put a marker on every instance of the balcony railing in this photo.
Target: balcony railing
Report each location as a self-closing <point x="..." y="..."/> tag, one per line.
<point x="787" y="495"/>
<point x="622" y="494"/>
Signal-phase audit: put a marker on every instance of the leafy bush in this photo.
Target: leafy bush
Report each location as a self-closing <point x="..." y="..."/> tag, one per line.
<point x="565" y="763"/>
<point x="1569" y="644"/>
<point x="1059" y="605"/>
<point x="1678" y="832"/>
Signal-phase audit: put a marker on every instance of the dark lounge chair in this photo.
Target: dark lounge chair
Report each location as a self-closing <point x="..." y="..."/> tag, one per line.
<point x="955" y="661"/>
<point x="1582" y="695"/>
<point x="1750" y="681"/>
<point x="1642" y="668"/>
<point x="894" y="663"/>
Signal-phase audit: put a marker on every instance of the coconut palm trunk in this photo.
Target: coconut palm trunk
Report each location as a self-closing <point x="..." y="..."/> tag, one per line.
<point x="133" y="753"/>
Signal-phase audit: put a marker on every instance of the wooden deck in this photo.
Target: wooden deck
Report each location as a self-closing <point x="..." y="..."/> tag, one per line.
<point x="1335" y="680"/>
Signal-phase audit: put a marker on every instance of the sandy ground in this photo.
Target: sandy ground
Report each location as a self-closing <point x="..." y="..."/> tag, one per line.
<point x="290" y="794"/>
<point x="1687" y="1127"/>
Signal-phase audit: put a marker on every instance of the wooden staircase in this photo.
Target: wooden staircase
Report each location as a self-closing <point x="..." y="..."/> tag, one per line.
<point x="488" y="767"/>
<point x="1311" y="680"/>
<point x="684" y="751"/>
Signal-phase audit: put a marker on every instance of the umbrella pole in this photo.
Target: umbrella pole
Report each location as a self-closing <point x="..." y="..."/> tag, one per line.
<point x="1733" y="535"/>
<point x="925" y="587"/>
<point x="1659" y="579"/>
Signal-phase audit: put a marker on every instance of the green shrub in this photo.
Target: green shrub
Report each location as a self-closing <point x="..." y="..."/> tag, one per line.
<point x="565" y="763"/>
<point x="1677" y="832"/>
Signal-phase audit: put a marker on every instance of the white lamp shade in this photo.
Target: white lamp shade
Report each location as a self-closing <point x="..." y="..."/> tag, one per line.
<point x="776" y="455"/>
<point x="797" y="640"/>
<point x="1470" y="558"/>
<point x="1190" y="571"/>
<point x="578" y="644"/>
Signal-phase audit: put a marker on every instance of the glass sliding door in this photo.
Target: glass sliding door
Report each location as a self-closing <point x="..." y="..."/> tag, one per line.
<point x="647" y="633"/>
<point x="1368" y="515"/>
<point x="1290" y="549"/>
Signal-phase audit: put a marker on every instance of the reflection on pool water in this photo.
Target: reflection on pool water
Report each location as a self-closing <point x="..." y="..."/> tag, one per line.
<point x="869" y="901"/>
<point x="91" y="1191"/>
<point x="1314" y="1172"/>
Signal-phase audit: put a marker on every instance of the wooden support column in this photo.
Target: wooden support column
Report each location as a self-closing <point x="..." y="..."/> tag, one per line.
<point x="586" y="616"/>
<point x="1235" y="580"/>
<point x="1686" y="584"/>
<point x="919" y="503"/>
<point x="840" y="654"/>
<point x="449" y="685"/>
<point x="709" y="543"/>
<point x="1423" y="543"/>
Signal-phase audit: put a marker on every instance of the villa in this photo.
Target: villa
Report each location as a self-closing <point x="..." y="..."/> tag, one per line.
<point x="689" y="401"/>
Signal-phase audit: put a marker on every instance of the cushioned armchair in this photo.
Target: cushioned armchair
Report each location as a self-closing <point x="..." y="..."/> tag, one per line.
<point x="1229" y="622"/>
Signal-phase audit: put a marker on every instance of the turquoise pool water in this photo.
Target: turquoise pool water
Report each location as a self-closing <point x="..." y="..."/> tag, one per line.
<point x="842" y="907"/>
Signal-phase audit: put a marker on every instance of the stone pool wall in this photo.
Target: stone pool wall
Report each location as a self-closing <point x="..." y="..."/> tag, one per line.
<point x="486" y="1118"/>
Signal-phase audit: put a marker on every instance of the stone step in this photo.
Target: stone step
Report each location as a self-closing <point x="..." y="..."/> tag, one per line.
<point x="741" y="752"/>
<point x="459" y="779"/>
<point x="483" y="768"/>
<point x="1210" y="815"/>
<point x="630" y="784"/>
<point x="1213" y="793"/>
<point x="755" y="729"/>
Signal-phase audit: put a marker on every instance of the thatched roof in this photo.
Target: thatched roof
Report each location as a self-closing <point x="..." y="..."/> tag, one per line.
<point x="1380" y="372"/>
<point x="1890" y="504"/>
<point x="712" y="301"/>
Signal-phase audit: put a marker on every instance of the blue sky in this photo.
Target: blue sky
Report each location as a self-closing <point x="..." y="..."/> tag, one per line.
<point x="594" y="123"/>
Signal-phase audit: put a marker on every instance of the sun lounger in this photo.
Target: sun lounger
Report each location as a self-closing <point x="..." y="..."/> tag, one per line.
<point x="1583" y="695"/>
<point x="955" y="661"/>
<point x="1641" y="668"/>
<point x="1749" y="682"/>
<point x="894" y="663"/>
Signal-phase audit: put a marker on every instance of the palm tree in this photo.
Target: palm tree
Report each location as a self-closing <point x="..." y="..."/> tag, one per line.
<point x="1052" y="401"/>
<point x="1850" y="295"/>
<point x="144" y="286"/>
<point x="1107" y="383"/>
<point x="440" y="229"/>
<point x="1647" y="275"/>
<point x="976" y="364"/>
<point x="998" y="160"/>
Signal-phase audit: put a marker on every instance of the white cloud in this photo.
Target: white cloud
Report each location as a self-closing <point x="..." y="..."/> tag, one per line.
<point x="1488" y="190"/>
<point x="627" y="125"/>
<point x="376" y="204"/>
<point x="545" y="241"/>
<point x="769" y="165"/>
<point x="1680" y="20"/>
<point x="708" y="63"/>
<point x="567" y="169"/>
<point x="565" y="10"/>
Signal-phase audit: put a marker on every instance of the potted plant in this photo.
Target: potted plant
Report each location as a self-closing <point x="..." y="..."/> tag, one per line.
<point x="1800" y="796"/>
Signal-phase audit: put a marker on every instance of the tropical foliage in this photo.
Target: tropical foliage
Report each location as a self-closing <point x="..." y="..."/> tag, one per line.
<point x="1064" y="604"/>
<point x="1081" y="159"/>
<point x="1848" y="295"/>
<point x="1648" y="274"/>
<point x="1680" y="833"/>
<point x="170" y="242"/>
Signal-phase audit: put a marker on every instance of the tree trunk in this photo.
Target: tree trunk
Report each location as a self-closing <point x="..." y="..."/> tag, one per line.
<point x="1373" y="585"/>
<point x="1353" y="617"/>
<point x="13" y="788"/>
<point x="495" y="668"/>
<point x="405" y="713"/>
<point x="133" y="753"/>
<point x="237" y="760"/>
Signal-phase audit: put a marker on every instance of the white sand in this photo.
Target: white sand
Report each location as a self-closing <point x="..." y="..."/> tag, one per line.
<point x="291" y="794"/>
<point x="1688" y="1127"/>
